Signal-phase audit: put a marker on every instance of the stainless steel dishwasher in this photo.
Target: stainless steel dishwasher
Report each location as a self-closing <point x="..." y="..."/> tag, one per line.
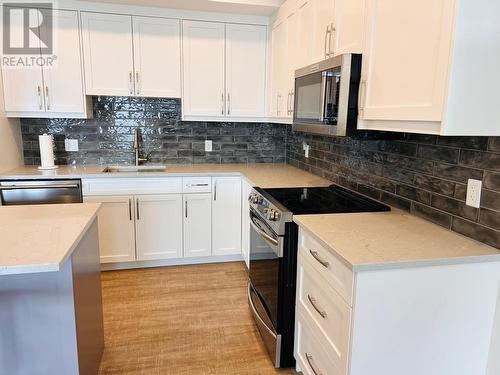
<point x="24" y="192"/>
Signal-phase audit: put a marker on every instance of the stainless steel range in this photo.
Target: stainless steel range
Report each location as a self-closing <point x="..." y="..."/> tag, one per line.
<point x="273" y="255"/>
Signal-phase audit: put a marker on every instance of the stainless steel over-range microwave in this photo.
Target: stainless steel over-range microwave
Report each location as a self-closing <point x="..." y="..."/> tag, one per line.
<point x="326" y="96"/>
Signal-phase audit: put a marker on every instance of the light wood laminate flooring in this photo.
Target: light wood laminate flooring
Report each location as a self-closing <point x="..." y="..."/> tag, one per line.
<point x="183" y="320"/>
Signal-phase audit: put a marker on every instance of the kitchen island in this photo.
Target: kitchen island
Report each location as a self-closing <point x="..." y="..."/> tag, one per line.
<point x="50" y="290"/>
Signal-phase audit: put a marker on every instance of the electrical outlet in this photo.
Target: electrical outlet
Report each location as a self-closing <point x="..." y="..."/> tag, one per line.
<point x="71" y="145"/>
<point x="306" y="150"/>
<point x="208" y="146"/>
<point x="473" y="193"/>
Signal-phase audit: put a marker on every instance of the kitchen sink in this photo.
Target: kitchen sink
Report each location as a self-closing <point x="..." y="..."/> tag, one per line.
<point x="133" y="168"/>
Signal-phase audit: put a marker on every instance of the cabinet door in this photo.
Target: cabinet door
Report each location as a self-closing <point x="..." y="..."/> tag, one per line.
<point x="116" y="228"/>
<point x="197" y="225"/>
<point x="108" y="55"/>
<point x="63" y="83"/>
<point x="348" y="27"/>
<point x="324" y="19"/>
<point x="305" y="34"/>
<point x="405" y="59"/>
<point x="245" y="70"/>
<point x="203" y="68"/>
<point x="278" y="70"/>
<point x="293" y="52"/>
<point x="226" y="215"/>
<point x="23" y="87"/>
<point x="246" y="189"/>
<point x="158" y="227"/>
<point x="157" y="57"/>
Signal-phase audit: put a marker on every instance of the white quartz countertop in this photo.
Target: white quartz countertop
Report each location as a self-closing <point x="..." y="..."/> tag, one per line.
<point x="262" y="175"/>
<point x="41" y="238"/>
<point x="370" y="241"/>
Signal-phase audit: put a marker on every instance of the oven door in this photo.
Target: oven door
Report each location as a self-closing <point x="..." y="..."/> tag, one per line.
<point x="266" y="251"/>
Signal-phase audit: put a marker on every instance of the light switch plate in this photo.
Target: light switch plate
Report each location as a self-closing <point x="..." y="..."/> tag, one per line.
<point x="473" y="193"/>
<point x="306" y="150"/>
<point x="208" y="146"/>
<point x="71" y="145"/>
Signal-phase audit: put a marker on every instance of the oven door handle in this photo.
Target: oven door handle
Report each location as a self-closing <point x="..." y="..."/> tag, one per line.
<point x="274" y="243"/>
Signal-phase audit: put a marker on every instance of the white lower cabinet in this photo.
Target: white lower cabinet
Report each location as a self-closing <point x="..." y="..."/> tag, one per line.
<point x="160" y="218"/>
<point x="226" y="215"/>
<point x="158" y="226"/>
<point x="116" y="228"/>
<point x="197" y="228"/>
<point x="396" y="321"/>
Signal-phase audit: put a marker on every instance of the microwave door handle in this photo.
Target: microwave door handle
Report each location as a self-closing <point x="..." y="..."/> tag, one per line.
<point x="322" y="109"/>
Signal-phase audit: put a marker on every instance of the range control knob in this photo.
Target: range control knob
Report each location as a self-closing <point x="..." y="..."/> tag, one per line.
<point x="257" y="199"/>
<point x="272" y="215"/>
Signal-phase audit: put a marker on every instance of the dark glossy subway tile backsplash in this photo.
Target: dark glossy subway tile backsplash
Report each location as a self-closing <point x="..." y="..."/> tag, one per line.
<point x="108" y="137"/>
<point x="423" y="174"/>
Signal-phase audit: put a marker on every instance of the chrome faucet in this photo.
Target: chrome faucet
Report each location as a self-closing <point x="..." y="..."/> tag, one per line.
<point x="137" y="147"/>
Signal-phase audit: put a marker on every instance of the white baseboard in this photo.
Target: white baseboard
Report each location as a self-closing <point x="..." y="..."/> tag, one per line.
<point x="170" y="262"/>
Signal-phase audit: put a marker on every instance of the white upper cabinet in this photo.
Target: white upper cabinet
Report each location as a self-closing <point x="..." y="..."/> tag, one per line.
<point x="323" y="29"/>
<point x="417" y="64"/>
<point x="157" y="57"/>
<point x="203" y="66"/>
<point x="348" y="27"/>
<point x="108" y="54"/>
<point x="131" y="56"/>
<point x="245" y="70"/>
<point x="226" y="215"/>
<point x="406" y="59"/>
<point x="64" y="91"/>
<point x="55" y="90"/>
<point x="158" y="226"/>
<point x="224" y="69"/>
<point x="279" y="71"/>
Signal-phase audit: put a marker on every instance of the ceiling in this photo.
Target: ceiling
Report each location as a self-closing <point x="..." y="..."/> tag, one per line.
<point x="250" y="7"/>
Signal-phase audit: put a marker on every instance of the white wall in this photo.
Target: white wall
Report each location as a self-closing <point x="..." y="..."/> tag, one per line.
<point x="11" y="150"/>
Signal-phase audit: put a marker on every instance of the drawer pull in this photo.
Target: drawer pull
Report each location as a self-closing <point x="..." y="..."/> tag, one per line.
<point x="314" y="304"/>
<point x="312" y="365"/>
<point x="199" y="185"/>
<point x="316" y="256"/>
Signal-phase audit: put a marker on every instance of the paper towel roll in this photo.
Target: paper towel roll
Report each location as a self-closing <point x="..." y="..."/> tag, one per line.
<point x="46" y="151"/>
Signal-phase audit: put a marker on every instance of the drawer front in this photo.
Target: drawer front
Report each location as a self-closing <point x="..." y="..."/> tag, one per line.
<point x="339" y="277"/>
<point x="312" y="353"/>
<point x="196" y="184"/>
<point x="127" y="186"/>
<point x="325" y="308"/>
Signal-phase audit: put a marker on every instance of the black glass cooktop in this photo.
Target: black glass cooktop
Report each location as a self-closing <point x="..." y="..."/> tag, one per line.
<point x="324" y="200"/>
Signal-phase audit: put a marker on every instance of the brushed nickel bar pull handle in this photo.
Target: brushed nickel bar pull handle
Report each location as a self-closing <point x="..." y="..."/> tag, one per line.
<point x="130" y="209"/>
<point x="199" y="184"/>
<point x="137" y="208"/>
<point x="130" y="82"/>
<point x="138" y="90"/>
<point x="327" y="33"/>
<point x="316" y="256"/>
<point x="362" y="95"/>
<point x="228" y="104"/>
<point x="310" y="361"/>
<point x="40" y="104"/>
<point x="215" y="190"/>
<point x="331" y="51"/>
<point x="314" y="304"/>
<point x="47" y="97"/>
<point x="222" y="105"/>
<point x="186" y="208"/>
